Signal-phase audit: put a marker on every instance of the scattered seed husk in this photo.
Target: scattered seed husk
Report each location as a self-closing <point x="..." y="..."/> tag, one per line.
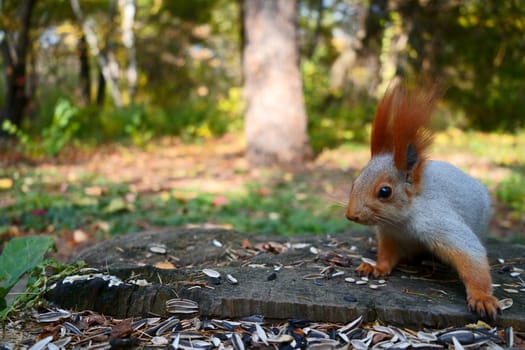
<point x="371" y="262"/>
<point x="159" y="340"/>
<point x="251" y="332"/>
<point x="427" y="337"/>
<point x="509" y="337"/>
<point x="140" y="282"/>
<point x="181" y="306"/>
<point x="261" y="334"/>
<point x="457" y="344"/>
<point x="62" y="342"/>
<point x="505" y="303"/>
<point x="511" y="290"/>
<point x="313" y="276"/>
<point x="211" y="273"/>
<point x="232" y="279"/>
<point x="351" y="325"/>
<point x="40" y="345"/>
<point x="72" y="328"/>
<point x="216" y="243"/>
<point x="237" y="342"/>
<point x="167" y="326"/>
<point x="53" y="316"/>
<point x="337" y="273"/>
<point x="158" y="248"/>
<point x="281" y="338"/>
<point x="359" y="344"/>
<point x="350" y="280"/>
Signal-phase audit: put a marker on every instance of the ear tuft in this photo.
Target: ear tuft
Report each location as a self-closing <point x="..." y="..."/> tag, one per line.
<point x="400" y="126"/>
<point x="382" y="139"/>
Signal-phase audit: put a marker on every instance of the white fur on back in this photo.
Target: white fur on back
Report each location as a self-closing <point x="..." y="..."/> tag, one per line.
<point x="452" y="207"/>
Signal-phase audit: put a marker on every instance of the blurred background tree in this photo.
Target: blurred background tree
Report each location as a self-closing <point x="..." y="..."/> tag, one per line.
<point x="109" y="70"/>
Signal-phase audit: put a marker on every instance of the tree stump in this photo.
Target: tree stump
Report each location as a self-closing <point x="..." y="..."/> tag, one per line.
<point x="304" y="277"/>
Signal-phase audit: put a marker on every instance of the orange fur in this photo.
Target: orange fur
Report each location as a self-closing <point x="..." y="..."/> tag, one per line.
<point x="388" y="255"/>
<point x="475" y="277"/>
<point x="382" y="140"/>
<point x="400" y="121"/>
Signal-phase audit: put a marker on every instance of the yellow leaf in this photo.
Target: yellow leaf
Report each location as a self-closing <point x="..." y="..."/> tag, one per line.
<point x="6" y="183"/>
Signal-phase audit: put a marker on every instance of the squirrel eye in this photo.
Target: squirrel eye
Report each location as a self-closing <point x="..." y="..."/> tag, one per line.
<point x="384" y="192"/>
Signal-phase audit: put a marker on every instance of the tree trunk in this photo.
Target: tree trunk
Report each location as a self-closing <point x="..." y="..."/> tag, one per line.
<point x="101" y="88"/>
<point x="104" y="62"/>
<point x="15" y="68"/>
<point x="128" y="9"/>
<point x="275" y="119"/>
<point x="85" y="79"/>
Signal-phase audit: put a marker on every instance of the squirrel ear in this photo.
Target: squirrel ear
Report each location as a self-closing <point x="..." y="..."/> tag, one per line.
<point x="412" y="157"/>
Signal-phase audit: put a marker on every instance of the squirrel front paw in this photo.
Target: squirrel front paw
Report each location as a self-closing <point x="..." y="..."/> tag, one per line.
<point x="366" y="269"/>
<point x="483" y="304"/>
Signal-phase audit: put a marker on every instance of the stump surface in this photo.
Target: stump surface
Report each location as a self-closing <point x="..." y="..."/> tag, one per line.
<point x="277" y="279"/>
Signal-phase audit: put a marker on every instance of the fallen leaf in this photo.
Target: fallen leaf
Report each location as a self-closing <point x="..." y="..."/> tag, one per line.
<point x="116" y="205"/>
<point x="220" y="201"/>
<point x="6" y="183"/>
<point x="165" y="265"/>
<point x="122" y="329"/>
<point x="80" y="236"/>
<point x="246" y="244"/>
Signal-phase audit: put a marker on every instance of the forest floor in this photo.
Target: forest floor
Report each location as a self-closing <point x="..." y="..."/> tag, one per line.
<point x="171" y="170"/>
<point x="83" y="197"/>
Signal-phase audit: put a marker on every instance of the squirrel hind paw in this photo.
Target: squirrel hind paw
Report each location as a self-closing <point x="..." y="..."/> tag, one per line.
<point x="484" y="305"/>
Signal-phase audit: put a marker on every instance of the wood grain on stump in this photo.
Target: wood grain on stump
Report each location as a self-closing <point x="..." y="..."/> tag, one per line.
<point x="272" y="283"/>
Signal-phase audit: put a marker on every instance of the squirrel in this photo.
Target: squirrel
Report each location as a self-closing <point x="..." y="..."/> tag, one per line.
<point x="419" y="205"/>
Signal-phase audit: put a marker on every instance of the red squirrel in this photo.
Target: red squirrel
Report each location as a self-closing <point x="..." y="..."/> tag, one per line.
<point x="418" y="205"/>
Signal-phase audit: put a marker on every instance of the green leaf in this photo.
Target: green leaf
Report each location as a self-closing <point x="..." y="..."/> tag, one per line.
<point x="20" y="256"/>
<point x="116" y="205"/>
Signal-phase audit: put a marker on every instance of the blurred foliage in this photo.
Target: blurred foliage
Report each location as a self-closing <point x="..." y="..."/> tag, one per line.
<point x="189" y="67"/>
<point x="511" y="191"/>
<point x="475" y="48"/>
<point x="53" y="137"/>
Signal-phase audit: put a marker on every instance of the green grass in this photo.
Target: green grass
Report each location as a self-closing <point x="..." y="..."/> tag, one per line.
<point x="43" y="202"/>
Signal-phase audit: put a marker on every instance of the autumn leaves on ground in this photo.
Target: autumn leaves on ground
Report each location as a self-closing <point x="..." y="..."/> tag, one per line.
<point x="85" y="197"/>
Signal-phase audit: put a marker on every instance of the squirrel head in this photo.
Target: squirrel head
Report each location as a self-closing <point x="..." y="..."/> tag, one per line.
<point x="383" y="192"/>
